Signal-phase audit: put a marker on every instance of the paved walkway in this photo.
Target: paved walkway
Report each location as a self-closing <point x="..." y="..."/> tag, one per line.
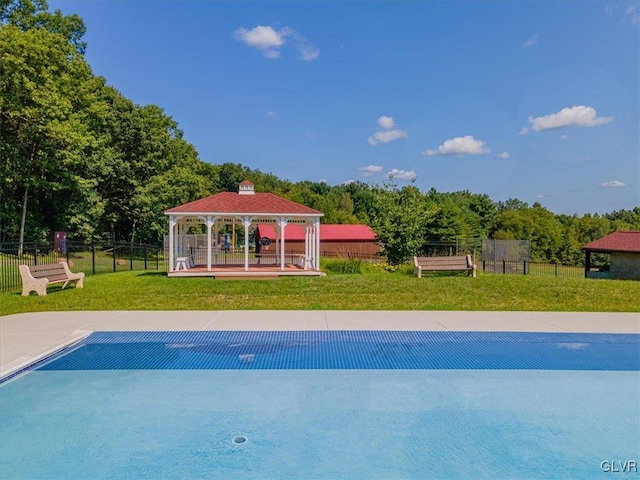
<point x="26" y="337"/>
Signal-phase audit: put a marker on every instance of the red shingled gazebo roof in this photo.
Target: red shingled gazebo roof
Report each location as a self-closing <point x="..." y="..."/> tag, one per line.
<point x="328" y="233"/>
<point x="620" y="241"/>
<point x="237" y="204"/>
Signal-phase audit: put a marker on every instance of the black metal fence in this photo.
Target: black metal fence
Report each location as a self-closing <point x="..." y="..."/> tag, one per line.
<point x="506" y="257"/>
<point x="531" y="268"/>
<point x="90" y="258"/>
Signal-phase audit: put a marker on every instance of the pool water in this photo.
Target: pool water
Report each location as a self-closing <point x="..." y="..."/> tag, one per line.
<point x="170" y="405"/>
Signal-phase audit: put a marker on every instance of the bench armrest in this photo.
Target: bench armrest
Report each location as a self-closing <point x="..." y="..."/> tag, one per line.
<point x="76" y="277"/>
<point x="31" y="284"/>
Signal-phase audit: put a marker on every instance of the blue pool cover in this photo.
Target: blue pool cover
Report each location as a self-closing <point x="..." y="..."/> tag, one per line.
<point x="327" y="349"/>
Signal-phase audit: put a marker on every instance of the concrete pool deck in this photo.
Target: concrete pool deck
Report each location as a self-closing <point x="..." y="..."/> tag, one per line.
<point x="26" y="337"/>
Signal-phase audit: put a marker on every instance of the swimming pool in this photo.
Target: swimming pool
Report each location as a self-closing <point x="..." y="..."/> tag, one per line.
<point x="327" y="404"/>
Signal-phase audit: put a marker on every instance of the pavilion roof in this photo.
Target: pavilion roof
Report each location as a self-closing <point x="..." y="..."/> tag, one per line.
<point x="234" y="203"/>
<point x="620" y="241"/>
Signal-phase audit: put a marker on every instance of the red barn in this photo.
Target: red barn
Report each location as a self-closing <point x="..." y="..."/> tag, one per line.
<point x="350" y="241"/>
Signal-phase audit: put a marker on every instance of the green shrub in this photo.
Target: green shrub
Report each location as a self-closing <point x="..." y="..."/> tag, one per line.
<point x="342" y="265"/>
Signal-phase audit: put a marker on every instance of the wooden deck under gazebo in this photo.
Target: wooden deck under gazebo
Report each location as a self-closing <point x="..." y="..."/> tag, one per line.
<point x="238" y="271"/>
<point x="248" y="209"/>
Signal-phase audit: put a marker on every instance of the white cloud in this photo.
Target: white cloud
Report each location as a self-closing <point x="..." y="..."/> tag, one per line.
<point x="386" y="136"/>
<point x="385" y="122"/>
<point x="272" y="114"/>
<point x="531" y="41"/>
<point x="576" y="116"/>
<point x="306" y="50"/>
<point x="370" y="170"/>
<point x="269" y="40"/>
<point x="263" y="38"/>
<point x="402" y="174"/>
<point x="539" y="196"/>
<point x="504" y="154"/>
<point x="613" y="184"/>
<point x="347" y="182"/>
<point x="563" y="137"/>
<point x="272" y="53"/>
<point x="466" y="145"/>
<point x="633" y="13"/>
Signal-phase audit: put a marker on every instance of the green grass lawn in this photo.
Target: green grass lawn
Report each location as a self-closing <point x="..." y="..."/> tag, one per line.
<point x="373" y="291"/>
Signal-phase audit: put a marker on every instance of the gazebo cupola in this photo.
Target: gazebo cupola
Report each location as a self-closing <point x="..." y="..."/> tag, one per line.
<point x="246" y="188"/>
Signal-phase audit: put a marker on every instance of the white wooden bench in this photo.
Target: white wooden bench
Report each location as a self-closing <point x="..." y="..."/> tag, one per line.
<point x="453" y="263"/>
<point x="181" y="263"/>
<point x="36" y="278"/>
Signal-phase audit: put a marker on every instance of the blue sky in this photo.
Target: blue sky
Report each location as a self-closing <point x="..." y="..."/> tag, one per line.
<point x="534" y="100"/>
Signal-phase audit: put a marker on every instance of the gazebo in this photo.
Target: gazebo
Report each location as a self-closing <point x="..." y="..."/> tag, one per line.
<point x="203" y="255"/>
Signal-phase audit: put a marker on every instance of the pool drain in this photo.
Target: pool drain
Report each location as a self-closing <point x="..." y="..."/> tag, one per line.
<point x="239" y="440"/>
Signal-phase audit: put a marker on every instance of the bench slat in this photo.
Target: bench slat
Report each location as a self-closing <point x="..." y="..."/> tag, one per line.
<point x="447" y="267"/>
<point x="53" y="272"/>
<point x="46" y="267"/>
<point x="444" y="262"/>
<point x="428" y="264"/>
<point x="54" y="278"/>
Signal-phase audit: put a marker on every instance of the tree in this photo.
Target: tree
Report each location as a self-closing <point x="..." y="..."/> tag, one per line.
<point x="446" y="223"/>
<point x="536" y="224"/>
<point x="41" y="130"/>
<point x="511" y="204"/>
<point x="179" y="185"/>
<point x="399" y="219"/>
<point x="30" y="14"/>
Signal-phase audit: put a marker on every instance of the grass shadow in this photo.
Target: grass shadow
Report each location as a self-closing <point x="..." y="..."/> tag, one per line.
<point x="152" y="274"/>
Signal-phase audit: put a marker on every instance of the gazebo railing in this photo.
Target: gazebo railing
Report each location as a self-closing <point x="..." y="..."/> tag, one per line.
<point x="198" y="257"/>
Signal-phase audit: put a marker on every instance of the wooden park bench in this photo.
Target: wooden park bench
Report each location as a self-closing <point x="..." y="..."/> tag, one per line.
<point x="459" y="262"/>
<point x="36" y="278"/>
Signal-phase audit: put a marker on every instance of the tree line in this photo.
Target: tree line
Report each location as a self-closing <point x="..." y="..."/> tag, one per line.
<point x="76" y="155"/>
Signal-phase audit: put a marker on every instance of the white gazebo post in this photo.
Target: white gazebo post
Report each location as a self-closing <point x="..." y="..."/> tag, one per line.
<point x="307" y="241"/>
<point x="179" y="239"/>
<point x="282" y="224"/>
<point x="215" y="236"/>
<point x="316" y="255"/>
<point x="210" y="223"/>
<point x="246" y="223"/>
<point x="172" y="225"/>
<point x="310" y="262"/>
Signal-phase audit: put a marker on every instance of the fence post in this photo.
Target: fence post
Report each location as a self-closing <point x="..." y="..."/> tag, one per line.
<point x="131" y="256"/>
<point x="35" y="252"/>
<point x="524" y="266"/>
<point x="483" y="267"/>
<point x="93" y="257"/>
<point x="555" y="267"/>
<point x="114" y="256"/>
<point x="145" y="257"/>
<point x="157" y="258"/>
<point x="504" y="266"/>
<point x="66" y="247"/>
